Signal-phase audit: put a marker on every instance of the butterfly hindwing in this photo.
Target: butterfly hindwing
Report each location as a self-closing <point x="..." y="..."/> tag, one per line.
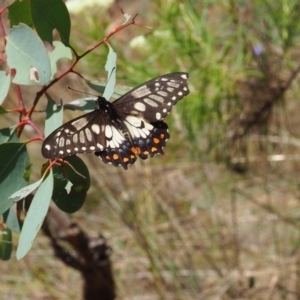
<point x="117" y="132"/>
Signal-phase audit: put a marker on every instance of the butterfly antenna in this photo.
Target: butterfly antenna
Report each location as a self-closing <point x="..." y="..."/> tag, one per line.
<point x="82" y="92"/>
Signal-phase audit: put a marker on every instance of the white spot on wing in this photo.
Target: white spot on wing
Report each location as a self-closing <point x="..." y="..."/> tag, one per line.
<point x="96" y="128"/>
<point x="78" y="124"/>
<point x="157" y="98"/>
<point x="141" y="92"/>
<point x="139" y="106"/>
<point x="158" y="116"/>
<point x="162" y="93"/>
<point x="47" y="147"/>
<point x="173" y="84"/>
<point x="108" y="132"/>
<point x="75" y="138"/>
<point x="81" y="137"/>
<point x="134" y="121"/>
<point x="150" y="102"/>
<point x="88" y="134"/>
<point x="100" y="146"/>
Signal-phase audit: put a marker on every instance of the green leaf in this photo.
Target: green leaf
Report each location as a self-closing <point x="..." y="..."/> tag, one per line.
<point x="48" y="15"/>
<point x="110" y="67"/>
<point x="6" y="244"/>
<point x="98" y="86"/>
<point x="69" y="191"/>
<point x="3" y="111"/>
<point x="11" y="220"/>
<point x="27" y="55"/>
<point x="60" y="51"/>
<point x="25" y="191"/>
<point x="54" y="116"/>
<point x="4" y="85"/>
<point x="8" y="134"/>
<point x="35" y="216"/>
<point x="85" y="104"/>
<point x="18" y="12"/>
<point x="14" y="161"/>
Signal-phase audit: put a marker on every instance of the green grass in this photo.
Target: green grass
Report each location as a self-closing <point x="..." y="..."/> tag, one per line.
<point x="184" y="225"/>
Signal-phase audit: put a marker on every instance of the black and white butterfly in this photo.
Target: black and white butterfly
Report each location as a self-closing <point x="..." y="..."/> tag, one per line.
<point x="118" y="131"/>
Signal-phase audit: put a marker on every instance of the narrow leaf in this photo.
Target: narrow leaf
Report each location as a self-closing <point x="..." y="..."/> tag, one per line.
<point x="4" y="85"/>
<point x="5" y="244"/>
<point x="12" y="221"/>
<point x="25" y="191"/>
<point x="110" y="67"/>
<point x="54" y="116"/>
<point x="35" y="216"/>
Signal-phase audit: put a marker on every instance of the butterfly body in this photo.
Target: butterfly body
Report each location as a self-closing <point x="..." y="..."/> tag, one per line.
<point x="118" y="131"/>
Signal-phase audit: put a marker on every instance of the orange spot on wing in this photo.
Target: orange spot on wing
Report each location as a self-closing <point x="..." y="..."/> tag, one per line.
<point x="107" y="157"/>
<point x="153" y="149"/>
<point x="162" y="135"/>
<point x="146" y="152"/>
<point x="136" y="150"/>
<point x="125" y="159"/>
<point x="115" y="156"/>
<point x="156" y="140"/>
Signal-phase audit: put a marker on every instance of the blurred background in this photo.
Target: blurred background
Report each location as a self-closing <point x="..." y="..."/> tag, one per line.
<point x="216" y="217"/>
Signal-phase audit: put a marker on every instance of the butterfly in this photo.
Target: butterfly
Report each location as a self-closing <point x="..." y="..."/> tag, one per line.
<point x="119" y="131"/>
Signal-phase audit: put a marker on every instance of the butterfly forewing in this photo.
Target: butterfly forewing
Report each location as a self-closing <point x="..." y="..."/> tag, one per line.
<point x="154" y="99"/>
<point x="81" y="135"/>
<point x="117" y="132"/>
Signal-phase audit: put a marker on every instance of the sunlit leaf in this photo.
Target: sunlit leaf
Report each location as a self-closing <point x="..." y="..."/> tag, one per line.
<point x="27" y="55"/>
<point x="85" y="104"/>
<point x="54" y="116"/>
<point x="110" y="68"/>
<point x="25" y="191"/>
<point x="60" y="51"/>
<point x="35" y="216"/>
<point x="4" y="85"/>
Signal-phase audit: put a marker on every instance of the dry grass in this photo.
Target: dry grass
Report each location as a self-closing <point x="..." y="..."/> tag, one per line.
<point x="180" y="231"/>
